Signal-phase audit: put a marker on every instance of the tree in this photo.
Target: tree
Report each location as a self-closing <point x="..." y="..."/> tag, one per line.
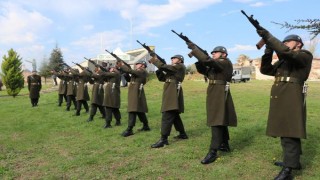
<point x="12" y="73"/>
<point x="191" y="69"/>
<point x="56" y="59"/>
<point x="312" y="25"/>
<point x="45" y="70"/>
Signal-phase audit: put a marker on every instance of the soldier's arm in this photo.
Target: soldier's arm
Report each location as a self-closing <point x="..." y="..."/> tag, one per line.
<point x="201" y="68"/>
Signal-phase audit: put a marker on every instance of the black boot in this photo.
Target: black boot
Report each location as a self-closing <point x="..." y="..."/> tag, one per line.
<point x="90" y="118"/>
<point x="144" y="128"/>
<point x="160" y="143"/>
<point x="284" y="174"/>
<point x="77" y="113"/>
<point x="210" y="158"/>
<point x="118" y="123"/>
<point x="181" y="136"/>
<point x="107" y="125"/>
<point x="224" y="147"/>
<point x="127" y="132"/>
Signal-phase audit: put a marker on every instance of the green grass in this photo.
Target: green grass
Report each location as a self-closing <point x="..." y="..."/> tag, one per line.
<point x="47" y="142"/>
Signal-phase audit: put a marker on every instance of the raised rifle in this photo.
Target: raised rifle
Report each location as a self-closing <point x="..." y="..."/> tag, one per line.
<point x="83" y="68"/>
<point x="97" y="65"/>
<point x="187" y="40"/>
<point x="152" y="52"/>
<point x="117" y="58"/>
<point x="256" y="24"/>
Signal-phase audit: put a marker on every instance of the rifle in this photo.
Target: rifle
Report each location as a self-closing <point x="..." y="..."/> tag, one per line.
<point x="117" y="58"/>
<point x="255" y="23"/>
<point x="151" y="52"/>
<point x="83" y="68"/>
<point x="187" y="40"/>
<point x="97" y="65"/>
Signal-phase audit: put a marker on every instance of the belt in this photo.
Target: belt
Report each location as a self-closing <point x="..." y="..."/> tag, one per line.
<point x="221" y="82"/>
<point x="288" y="79"/>
<point x="171" y="80"/>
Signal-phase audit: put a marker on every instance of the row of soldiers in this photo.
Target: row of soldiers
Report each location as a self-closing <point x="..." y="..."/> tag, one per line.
<point x="287" y="115"/>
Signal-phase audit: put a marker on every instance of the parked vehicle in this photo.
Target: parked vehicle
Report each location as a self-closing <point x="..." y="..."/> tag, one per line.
<point x="241" y="74"/>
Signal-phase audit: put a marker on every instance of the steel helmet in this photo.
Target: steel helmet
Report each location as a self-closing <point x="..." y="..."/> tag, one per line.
<point x="142" y="62"/>
<point x="179" y="57"/>
<point x="293" y="37"/>
<point x="220" y="49"/>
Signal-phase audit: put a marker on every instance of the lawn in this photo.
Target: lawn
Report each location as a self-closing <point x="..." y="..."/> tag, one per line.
<point x="47" y="142"/>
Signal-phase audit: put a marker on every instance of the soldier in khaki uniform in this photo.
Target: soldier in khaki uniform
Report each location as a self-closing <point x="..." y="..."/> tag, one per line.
<point x="220" y="108"/>
<point x="287" y="113"/>
<point x="172" y="97"/>
<point x="82" y="95"/>
<point x="111" y="99"/>
<point x="62" y="89"/>
<point x="34" y="86"/>
<point x="71" y="90"/>
<point x="97" y="94"/>
<point x="137" y="103"/>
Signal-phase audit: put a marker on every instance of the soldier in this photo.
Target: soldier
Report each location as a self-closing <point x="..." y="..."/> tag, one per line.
<point x="111" y="99"/>
<point x="172" y="98"/>
<point x="62" y="90"/>
<point x="82" y="95"/>
<point x="137" y="103"/>
<point x="220" y="108"/>
<point x="287" y="113"/>
<point x="34" y="86"/>
<point x="97" y="94"/>
<point x="71" y="90"/>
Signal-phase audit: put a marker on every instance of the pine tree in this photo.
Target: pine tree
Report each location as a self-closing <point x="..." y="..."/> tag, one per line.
<point x="56" y="59"/>
<point x="44" y="70"/>
<point x="12" y="73"/>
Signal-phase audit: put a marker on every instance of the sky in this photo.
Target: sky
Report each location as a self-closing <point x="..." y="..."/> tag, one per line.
<point x="85" y="28"/>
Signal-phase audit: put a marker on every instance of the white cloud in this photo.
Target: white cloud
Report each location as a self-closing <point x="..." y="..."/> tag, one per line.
<point x="258" y="4"/>
<point x="239" y="47"/>
<point x="19" y="25"/>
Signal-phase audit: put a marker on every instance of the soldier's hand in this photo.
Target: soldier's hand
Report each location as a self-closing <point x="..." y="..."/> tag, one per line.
<point x="263" y="33"/>
<point x="152" y="54"/>
<point x="191" y="45"/>
<point x="268" y="50"/>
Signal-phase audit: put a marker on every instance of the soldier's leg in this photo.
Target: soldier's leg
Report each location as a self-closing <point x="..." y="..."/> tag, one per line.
<point x="225" y="140"/>
<point x="108" y="117"/>
<point x="291" y="152"/>
<point x="168" y="118"/>
<point x="79" y="103"/>
<point x="32" y="102"/>
<point x="131" y="123"/>
<point x="68" y="103"/>
<point x="117" y="116"/>
<point x="73" y="98"/>
<point x="92" y="112"/>
<point x="102" y="111"/>
<point x="178" y="125"/>
<point x="65" y="97"/>
<point x="60" y="99"/>
<point x="216" y="140"/>
<point x="36" y="101"/>
<point x="143" y="118"/>
<point x="85" y="105"/>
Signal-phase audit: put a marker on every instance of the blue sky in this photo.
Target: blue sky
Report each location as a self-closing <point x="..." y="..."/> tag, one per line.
<point x="83" y="28"/>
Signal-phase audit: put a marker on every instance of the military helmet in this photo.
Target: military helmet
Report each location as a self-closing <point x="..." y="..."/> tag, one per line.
<point x="142" y="62"/>
<point x="293" y="37"/>
<point x="75" y="69"/>
<point x="105" y="64"/>
<point x="180" y="57"/>
<point x="220" y="49"/>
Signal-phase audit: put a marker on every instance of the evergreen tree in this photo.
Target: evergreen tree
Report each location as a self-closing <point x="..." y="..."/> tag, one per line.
<point x="12" y="73"/>
<point x="56" y="59"/>
<point x="45" y="70"/>
<point x="312" y="25"/>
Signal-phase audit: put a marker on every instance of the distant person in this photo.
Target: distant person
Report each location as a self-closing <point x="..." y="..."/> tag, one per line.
<point x="71" y="90"/>
<point x="137" y="102"/>
<point x="220" y="108"/>
<point x="54" y="78"/>
<point x="1" y="84"/>
<point x="172" y="98"/>
<point x="34" y="87"/>
<point x="287" y="113"/>
<point x="62" y="89"/>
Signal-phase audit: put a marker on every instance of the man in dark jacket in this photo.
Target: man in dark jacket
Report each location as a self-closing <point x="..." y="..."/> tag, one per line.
<point x="287" y="113"/>
<point x="220" y="108"/>
<point x="172" y="97"/>
<point x="137" y="103"/>
<point x="71" y="90"/>
<point x="34" y="86"/>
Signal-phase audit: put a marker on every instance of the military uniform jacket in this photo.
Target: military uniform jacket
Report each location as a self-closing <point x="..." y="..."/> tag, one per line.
<point x="71" y="85"/>
<point x="172" y="96"/>
<point x="111" y="89"/>
<point x="137" y="101"/>
<point x="34" y="86"/>
<point x="97" y="88"/>
<point x="82" y="80"/>
<point x="220" y="107"/>
<point x="287" y="113"/>
<point x="63" y="83"/>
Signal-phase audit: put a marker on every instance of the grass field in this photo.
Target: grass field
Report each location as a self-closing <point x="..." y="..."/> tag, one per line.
<point x="46" y="142"/>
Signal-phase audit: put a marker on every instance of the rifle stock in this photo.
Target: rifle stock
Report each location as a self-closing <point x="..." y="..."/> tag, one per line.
<point x="256" y="24"/>
<point x="97" y="65"/>
<point x="83" y="68"/>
